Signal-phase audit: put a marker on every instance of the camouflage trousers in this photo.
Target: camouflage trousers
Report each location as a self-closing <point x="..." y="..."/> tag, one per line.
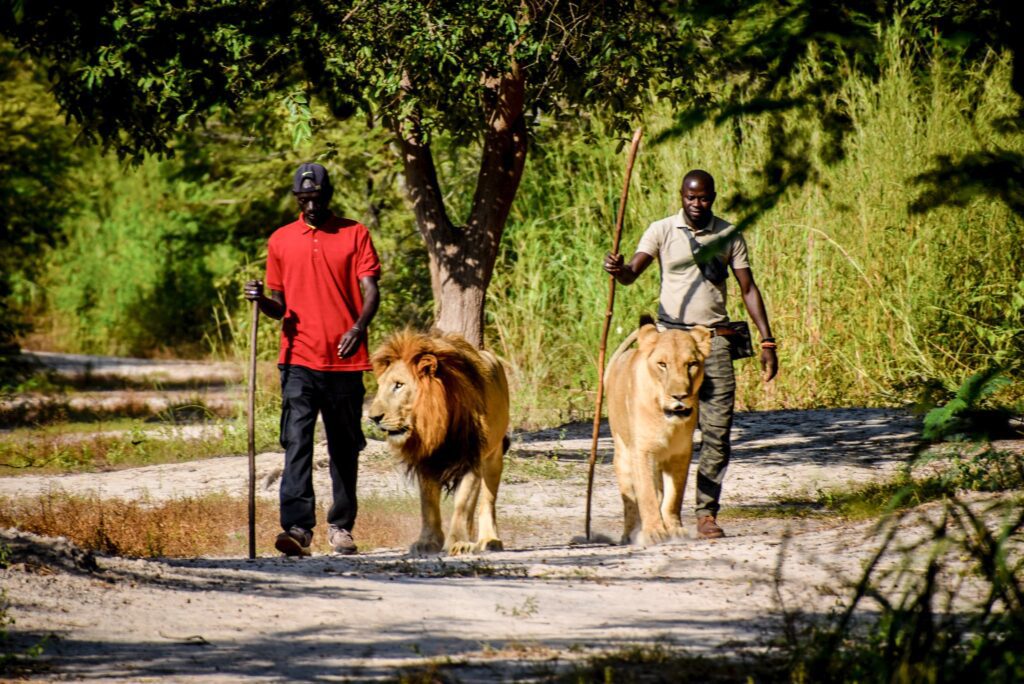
<point x="717" y="400"/>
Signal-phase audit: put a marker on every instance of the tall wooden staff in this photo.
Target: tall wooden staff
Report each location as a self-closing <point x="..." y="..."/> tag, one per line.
<point x="608" y="319"/>
<point x="252" y="430"/>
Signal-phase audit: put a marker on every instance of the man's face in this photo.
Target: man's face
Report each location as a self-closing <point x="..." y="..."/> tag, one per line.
<point x="697" y="201"/>
<point x="313" y="204"/>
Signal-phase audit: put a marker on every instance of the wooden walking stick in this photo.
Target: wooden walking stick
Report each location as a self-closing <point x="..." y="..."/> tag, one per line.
<point x="608" y="319"/>
<point x="252" y="430"/>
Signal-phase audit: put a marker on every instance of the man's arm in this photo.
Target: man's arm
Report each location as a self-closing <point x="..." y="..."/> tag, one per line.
<point x="371" y="301"/>
<point x="272" y="306"/>
<point x="624" y="273"/>
<point x="755" y="307"/>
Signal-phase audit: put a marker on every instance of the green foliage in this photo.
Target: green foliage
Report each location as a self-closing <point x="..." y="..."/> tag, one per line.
<point x="870" y="301"/>
<point x="957" y="614"/>
<point x="131" y="225"/>
<point x="983" y="470"/>
<point x="35" y="158"/>
<point x="939" y="474"/>
<point x="955" y="418"/>
<point x="136" y="74"/>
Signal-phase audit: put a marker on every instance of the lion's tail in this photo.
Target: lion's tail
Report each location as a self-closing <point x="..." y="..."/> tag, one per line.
<point x="505" y="444"/>
<point x="626" y="344"/>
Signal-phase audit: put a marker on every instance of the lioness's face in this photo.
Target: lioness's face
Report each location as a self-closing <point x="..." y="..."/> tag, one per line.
<point x="675" y="362"/>
<point x="392" y="407"/>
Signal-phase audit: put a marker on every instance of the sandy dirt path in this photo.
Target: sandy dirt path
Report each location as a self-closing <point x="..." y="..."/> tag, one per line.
<point x="519" y="613"/>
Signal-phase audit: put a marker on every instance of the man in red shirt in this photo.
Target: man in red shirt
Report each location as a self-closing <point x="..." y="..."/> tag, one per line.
<point x="322" y="273"/>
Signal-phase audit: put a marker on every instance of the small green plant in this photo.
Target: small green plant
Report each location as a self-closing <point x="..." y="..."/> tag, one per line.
<point x="529" y="608"/>
<point x="661" y="663"/>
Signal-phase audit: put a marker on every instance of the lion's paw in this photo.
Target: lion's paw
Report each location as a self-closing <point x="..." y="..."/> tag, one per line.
<point x="491" y="545"/>
<point x="461" y="548"/>
<point x="424" y="548"/>
<point x="676" y="532"/>
<point x="652" y="536"/>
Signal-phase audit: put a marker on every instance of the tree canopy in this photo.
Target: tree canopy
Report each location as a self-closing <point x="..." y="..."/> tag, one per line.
<point x="135" y="75"/>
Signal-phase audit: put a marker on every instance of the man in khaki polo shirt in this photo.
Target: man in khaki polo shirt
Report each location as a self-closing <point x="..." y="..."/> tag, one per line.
<point x="691" y="295"/>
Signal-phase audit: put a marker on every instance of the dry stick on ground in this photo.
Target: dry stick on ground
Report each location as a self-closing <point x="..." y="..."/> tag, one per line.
<point x="252" y="430"/>
<point x="608" y="319"/>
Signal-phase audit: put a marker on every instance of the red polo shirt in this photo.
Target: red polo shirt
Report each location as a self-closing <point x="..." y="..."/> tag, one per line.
<point x="318" y="270"/>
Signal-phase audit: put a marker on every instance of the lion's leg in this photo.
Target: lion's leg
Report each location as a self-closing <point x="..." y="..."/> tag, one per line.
<point x="624" y="476"/>
<point x="674" y="479"/>
<point x="459" y="540"/>
<point x="431" y="536"/>
<point x="488" y="539"/>
<point x="652" y="528"/>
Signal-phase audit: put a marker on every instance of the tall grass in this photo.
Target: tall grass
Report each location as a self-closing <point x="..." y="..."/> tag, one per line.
<point x="869" y="301"/>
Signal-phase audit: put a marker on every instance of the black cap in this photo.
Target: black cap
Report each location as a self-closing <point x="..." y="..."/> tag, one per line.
<point x="310" y="178"/>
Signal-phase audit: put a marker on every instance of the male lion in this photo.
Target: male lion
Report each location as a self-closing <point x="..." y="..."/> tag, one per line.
<point x="652" y="411"/>
<point x="444" y="405"/>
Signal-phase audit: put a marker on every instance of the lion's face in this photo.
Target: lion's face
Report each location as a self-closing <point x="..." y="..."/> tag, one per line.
<point x="674" y="360"/>
<point x="392" y="407"/>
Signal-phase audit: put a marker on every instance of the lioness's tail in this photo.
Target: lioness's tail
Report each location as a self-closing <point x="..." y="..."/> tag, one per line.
<point x="645" y="319"/>
<point x="626" y="344"/>
<point x="505" y="444"/>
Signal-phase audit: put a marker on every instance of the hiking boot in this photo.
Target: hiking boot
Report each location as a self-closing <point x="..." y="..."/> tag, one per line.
<point x="707" y="528"/>
<point x="341" y="540"/>
<point x="294" y="542"/>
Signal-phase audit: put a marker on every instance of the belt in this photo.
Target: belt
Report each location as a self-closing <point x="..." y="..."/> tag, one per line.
<point x="721" y="330"/>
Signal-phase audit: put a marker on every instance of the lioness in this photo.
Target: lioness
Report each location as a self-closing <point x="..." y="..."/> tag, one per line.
<point x="652" y="411"/>
<point x="444" y="406"/>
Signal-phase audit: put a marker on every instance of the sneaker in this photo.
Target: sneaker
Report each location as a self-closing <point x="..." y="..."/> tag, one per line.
<point x="341" y="540"/>
<point x="294" y="542"/>
<point x="707" y="528"/>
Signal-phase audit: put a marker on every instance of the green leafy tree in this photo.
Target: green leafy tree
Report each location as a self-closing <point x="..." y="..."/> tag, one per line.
<point x="35" y="158"/>
<point x="478" y="75"/>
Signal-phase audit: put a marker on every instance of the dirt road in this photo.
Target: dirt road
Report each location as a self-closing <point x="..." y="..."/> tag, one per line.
<point x="545" y="601"/>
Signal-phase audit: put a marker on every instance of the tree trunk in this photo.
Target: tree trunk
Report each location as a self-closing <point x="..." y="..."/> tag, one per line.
<point x="462" y="258"/>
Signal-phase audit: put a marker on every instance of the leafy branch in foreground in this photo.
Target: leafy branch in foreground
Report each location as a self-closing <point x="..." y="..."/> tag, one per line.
<point x="962" y="415"/>
<point x="959" y="612"/>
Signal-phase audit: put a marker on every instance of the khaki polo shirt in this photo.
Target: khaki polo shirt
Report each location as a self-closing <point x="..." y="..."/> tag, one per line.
<point x="686" y="296"/>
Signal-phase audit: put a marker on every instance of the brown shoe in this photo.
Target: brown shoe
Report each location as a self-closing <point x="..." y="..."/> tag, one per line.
<point x="294" y="542"/>
<point x="707" y="528"/>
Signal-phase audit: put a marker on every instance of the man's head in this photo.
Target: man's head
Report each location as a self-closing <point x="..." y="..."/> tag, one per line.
<point x="698" y="194"/>
<point x="312" y="189"/>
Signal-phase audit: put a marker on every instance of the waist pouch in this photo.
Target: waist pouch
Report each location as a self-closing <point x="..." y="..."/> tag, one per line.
<point x="740" y="344"/>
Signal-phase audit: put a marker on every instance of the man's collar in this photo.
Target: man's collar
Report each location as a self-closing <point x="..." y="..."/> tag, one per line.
<point x="309" y="227"/>
<point x="683" y="222"/>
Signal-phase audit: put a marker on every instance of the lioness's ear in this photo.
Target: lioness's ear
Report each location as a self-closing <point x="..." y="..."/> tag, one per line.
<point x="426" y="364"/>
<point x="702" y="336"/>
<point x="647" y="336"/>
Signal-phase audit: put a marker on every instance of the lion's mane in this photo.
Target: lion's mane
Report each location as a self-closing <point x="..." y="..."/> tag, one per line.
<point x="449" y="427"/>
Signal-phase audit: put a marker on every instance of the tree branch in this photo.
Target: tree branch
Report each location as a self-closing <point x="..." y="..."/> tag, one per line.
<point x="501" y="167"/>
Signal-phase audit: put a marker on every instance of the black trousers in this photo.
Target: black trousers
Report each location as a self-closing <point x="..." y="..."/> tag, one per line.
<point x="339" y="397"/>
